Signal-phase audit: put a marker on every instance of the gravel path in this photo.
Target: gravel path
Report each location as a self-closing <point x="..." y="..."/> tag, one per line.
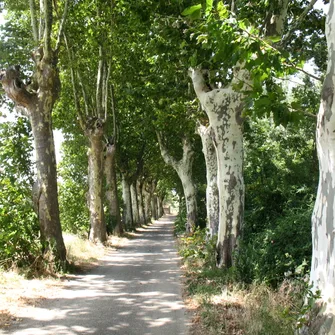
<point x="136" y="290"/>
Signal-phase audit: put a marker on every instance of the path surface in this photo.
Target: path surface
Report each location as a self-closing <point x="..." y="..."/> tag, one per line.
<point x="136" y="290"/>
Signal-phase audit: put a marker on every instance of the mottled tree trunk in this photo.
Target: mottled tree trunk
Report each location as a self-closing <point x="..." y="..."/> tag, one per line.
<point x="134" y="204"/>
<point x="147" y="202"/>
<point x="39" y="106"/>
<point x="160" y="200"/>
<point x="127" y="210"/>
<point x="224" y="108"/>
<point x="111" y="191"/>
<point x="183" y="168"/>
<point x="212" y="191"/>
<point x="98" y="231"/>
<point x="154" y="214"/>
<point x="141" y="210"/>
<point x="322" y="275"/>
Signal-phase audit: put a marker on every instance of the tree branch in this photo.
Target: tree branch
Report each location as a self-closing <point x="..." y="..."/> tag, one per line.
<point x="33" y="21"/>
<point x="62" y="25"/>
<point x="46" y="13"/>
<point x="74" y="86"/>
<point x="297" y="23"/>
<point x="168" y="159"/>
<point x="114" y="112"/>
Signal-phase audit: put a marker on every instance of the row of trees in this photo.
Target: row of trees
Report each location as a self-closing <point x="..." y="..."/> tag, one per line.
<point x="120" y="78"/>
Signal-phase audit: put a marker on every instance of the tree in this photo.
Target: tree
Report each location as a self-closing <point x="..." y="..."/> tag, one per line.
<point x="37" y="101"/>
<point x="322" y="275"/>
<point x="183" y="167"/>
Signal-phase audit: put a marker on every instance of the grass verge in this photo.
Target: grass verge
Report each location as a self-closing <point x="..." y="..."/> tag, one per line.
<point x="221" y="305"/>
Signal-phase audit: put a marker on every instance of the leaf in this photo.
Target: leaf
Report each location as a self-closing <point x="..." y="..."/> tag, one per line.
<point x="209" y="7"/>
<point x="191" y="10"/>
<point x="222" y="10"/>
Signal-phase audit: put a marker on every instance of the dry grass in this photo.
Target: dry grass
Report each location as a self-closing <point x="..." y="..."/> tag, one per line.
<point x="219" y="305"/>
<point x="257" y="310"/>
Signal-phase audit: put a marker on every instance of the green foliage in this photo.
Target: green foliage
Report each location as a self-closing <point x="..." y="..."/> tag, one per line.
<point x="281" y="172"/>
<point x="73" y="186"/>
<point x="18" y="221"/>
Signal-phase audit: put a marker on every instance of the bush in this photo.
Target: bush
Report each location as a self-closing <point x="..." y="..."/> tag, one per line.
<point x="277" y="251"/>
<point x="19" y="226"/>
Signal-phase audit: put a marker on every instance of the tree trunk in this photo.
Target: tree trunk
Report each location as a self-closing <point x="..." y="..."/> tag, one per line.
<point x="183" y="168"/>
<point x="160" y="210"/>
<point x="111" y="191"/>
<point x="224" y="108"/>
<point x="98" y="231"/>
<point x="139" y="188"/>
<point x="154" y="215"/>
<point x="185" y="176"/>
<point x="322" y="275"/>
<point x="134" y="203"/>
<point x="147" y="202"/>
<point x="39" y="108"/>
<point x="212" y="191"/>
<point x="127" y="210"/>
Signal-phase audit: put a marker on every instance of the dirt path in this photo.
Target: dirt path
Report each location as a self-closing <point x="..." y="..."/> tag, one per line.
<point x="136" y="290"/>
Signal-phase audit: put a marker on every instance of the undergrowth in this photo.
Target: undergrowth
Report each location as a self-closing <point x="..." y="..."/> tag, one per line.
<point x="223" y="305"/>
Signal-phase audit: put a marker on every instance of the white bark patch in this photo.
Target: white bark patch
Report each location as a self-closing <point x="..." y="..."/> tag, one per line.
<point x="183" y="168"/>
<point x="224" y="108"/>
<point x="323" y="226"/>
<point x="212" y="191"/>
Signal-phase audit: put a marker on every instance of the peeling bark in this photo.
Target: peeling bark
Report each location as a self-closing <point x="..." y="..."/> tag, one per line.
<point x="147" y="201"/>
<point x="224" y="110"/>
<point x="127" y="210"/>
<point x="94" y="132"/>
<point x="322" y="275"/>
<point x="38" y="106"/>
<point x="212" y="191"/>
<point x="134" y="204"/>
<point x="111" y="190"/>
<point x="141" y="209"/>
<point x="183" y="168"/>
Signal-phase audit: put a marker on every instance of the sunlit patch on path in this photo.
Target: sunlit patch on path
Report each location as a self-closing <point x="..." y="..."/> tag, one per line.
<point x="135" y="290"/>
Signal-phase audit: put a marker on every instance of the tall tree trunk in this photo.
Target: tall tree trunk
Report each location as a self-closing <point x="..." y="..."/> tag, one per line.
<point x="147" y="201"/>
<point x="212" y="191"/>
<point x="154" y="214"/>
<point x="134" y="204"/>
<point x="127" y="210"/>
<point x="139" y="188"/>
<point x="39" y="108"/>
<point x="183" y="168"/>
<point x="111" y="190"/>
<point x="98" y="231"/>
<point x="160" y="200"/>
<point x="322" y="275"/>
<point x="224" y="108"/>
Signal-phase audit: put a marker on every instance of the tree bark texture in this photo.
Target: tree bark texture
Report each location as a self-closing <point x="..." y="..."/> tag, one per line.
<point x="134" y="204"/>
<point x="39" y="105"/>
<point x="224" y="108"/>
<point x="127" y="210"/>
<point x="183" y="168"/>
<point x="141" y="210"/>
<point x="94" y="132"/>
<point x="212" y="191"/>
<point x="322" y="275"/>
<point x="111" y="190"/>
<point x="147" y="201"/>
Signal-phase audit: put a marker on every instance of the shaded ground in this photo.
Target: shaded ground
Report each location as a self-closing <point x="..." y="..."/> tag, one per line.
<point x="135" y="290"/>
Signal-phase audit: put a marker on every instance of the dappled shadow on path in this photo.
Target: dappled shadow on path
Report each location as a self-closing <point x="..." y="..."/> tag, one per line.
<point x="136" y="290"/>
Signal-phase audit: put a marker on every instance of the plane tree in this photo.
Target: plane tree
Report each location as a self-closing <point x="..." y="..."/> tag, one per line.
<point x="36" y="99"/>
